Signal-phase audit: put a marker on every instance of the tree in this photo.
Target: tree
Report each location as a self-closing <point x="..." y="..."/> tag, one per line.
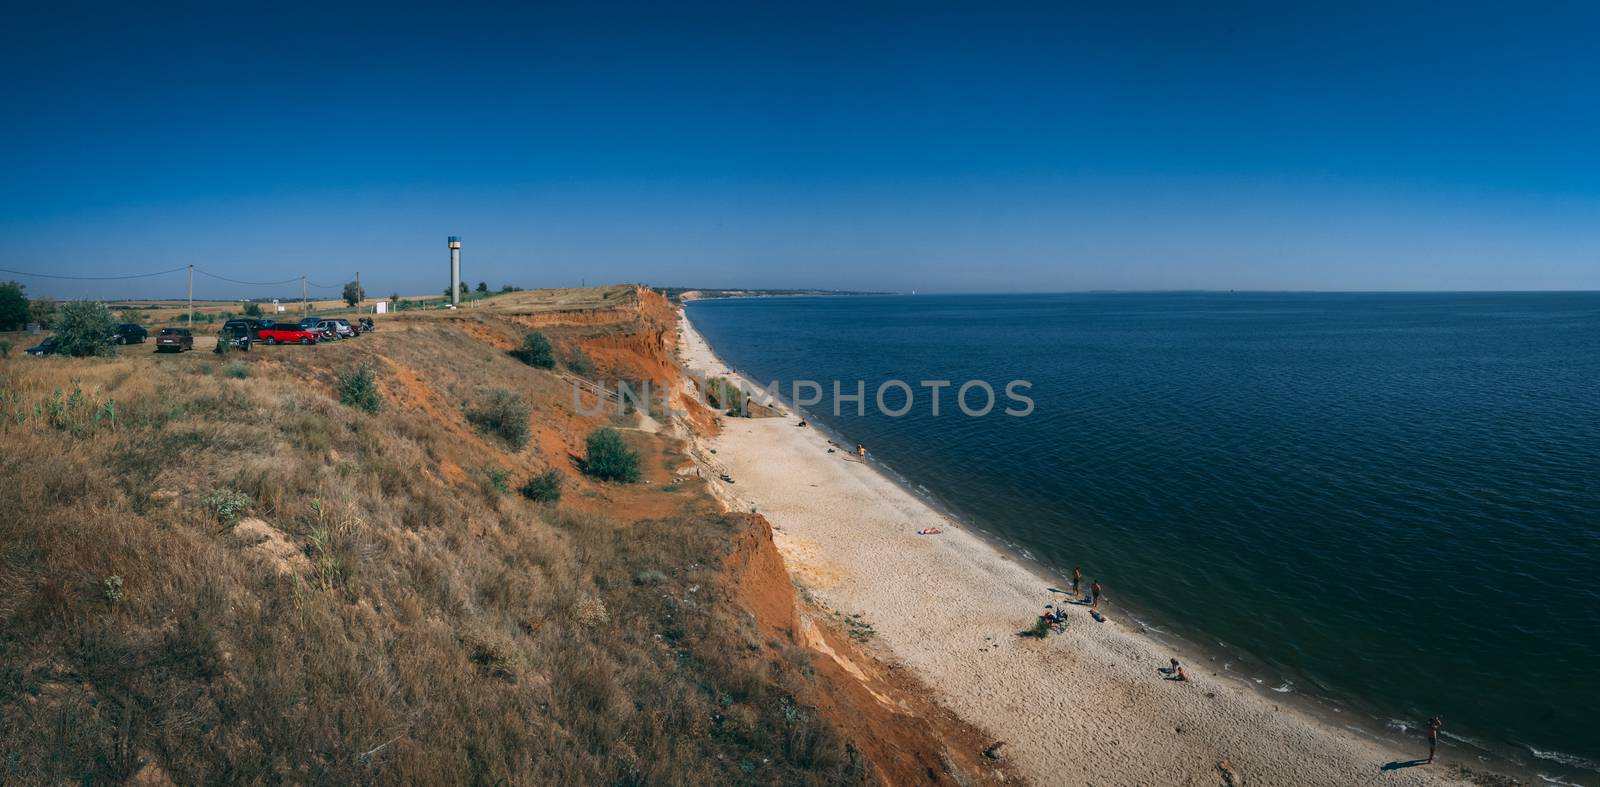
<point x="43" y="311"/>
<point x="353" y="294"/>
<point x="463" y="289"/>
<point x="132" y="314"/>
<point x="610" y="459"/>
<point x="251" y="309"/>
<point x="394" y="297"/>
<point x="13" y="307"/>
<point x="507" y="288"/>
<point x="84" y="328"/>
<point x="483" y="288"/>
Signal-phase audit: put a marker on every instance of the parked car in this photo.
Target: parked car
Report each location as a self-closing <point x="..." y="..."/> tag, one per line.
<point x="318" y="326"/>
<point x="46" y="347"/>
<point x="286" y="334"/>
<point x="248" y="325"/>
<point x="345" y="328"/>
<point x="128" y="333"/>
<point x="235" y="334"/>
<point x="338" y="331"/>
<point x="174" y="340"/>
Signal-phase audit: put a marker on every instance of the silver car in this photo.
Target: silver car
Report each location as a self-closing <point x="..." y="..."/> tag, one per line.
<point x="337" y="330"/>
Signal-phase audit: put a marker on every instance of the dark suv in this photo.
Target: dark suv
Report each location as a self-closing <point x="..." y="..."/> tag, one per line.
<point x="128" y="333"/>
<point x="243" y="327"/>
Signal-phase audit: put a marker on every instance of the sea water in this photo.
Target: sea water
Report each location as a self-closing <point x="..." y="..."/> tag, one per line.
<point x="1386" y="503"/>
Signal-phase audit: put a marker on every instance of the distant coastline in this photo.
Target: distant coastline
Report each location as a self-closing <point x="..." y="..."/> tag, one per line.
<point x="684" y="294"/>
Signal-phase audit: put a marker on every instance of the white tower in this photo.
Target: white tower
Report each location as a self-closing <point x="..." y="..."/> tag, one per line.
<point x="455" y="271"/>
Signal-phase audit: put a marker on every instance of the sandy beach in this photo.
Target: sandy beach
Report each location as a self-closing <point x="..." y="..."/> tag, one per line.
<point x="1086" y="707"/>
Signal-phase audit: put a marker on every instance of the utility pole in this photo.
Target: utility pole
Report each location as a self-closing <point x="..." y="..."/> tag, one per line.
<point x="191" y="296"/>
<point x="305" y="311"/>
<point x="360" y="296"/>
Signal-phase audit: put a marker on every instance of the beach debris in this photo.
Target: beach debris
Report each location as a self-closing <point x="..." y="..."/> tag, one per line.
<point x="1230" y="777"/>
<point x="929" y="531"/>
<point x="993" y="752"/>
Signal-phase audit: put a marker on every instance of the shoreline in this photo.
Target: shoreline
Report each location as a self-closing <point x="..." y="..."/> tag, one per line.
<point x="1089" y="702"/>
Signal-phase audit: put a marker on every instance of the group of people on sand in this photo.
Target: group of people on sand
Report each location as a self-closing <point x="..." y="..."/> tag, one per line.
<point x="1054" y="618"/>
<point x="1095" y="590"/>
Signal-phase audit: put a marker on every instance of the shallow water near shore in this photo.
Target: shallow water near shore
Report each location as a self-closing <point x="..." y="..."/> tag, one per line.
<point x="1388" y="503"/>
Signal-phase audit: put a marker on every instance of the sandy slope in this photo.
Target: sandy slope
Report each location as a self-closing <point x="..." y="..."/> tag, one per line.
<point x="1084" y="708"/>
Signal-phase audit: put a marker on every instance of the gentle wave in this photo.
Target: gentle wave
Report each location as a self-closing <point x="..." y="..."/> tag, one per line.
<point x="1571" y="760"/>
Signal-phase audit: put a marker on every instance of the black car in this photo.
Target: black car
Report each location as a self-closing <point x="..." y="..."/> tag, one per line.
<point x="46" y="347"/>
<point x="128" y="333"/>
<point x="235" y="335"/>
<point x="244" y="326"/>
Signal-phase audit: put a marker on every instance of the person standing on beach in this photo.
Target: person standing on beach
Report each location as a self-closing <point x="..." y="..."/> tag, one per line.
<point x="1094" y="593"/>
<point x="1434" y="723"/>
<point x="1077" y="577"/>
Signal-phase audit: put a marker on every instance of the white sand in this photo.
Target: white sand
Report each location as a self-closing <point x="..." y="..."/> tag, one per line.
<point x="1087" y="707"/>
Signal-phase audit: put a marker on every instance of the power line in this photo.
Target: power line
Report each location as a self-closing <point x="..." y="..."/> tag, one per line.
<point x="251" y="283"/>
<point x="93" y="278"/>
<point x="324" y="286"/>
<point x="164" y="273"/>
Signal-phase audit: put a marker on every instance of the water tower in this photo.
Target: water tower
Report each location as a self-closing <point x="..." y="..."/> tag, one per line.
<point x="455" y="271"/>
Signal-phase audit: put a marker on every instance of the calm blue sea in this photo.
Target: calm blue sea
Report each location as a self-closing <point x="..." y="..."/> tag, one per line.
<point x="1386" y="503"/>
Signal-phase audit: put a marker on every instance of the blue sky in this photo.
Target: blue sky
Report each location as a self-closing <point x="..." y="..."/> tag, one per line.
<point x="898" y="147"/>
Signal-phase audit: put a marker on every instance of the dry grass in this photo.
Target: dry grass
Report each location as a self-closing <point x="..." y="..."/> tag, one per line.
<point x="432" y="635"/>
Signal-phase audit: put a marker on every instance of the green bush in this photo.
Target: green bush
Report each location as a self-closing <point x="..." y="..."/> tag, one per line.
<point x="610" y="459"/>
<point x="227" y="505"/>
<point x="504" y="414"/>
<point x="499" y="480"/>
<point x="727" y="395"/>
<point x="252" y="309"/>
<point x="83" y="329"/>
<point x="544" y="487"/>
<point x="536" y="351"/>
<point x="5" y="349"/>
<point x="237" y="370"/>
<point x="112" y="588"/>
<point x="359" y="389"/>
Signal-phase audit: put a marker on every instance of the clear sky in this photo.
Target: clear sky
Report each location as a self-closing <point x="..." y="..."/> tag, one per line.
<point x="870" y="145"/>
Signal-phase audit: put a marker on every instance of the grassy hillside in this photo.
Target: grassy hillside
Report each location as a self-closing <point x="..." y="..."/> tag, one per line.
<point x="213" y="571"/>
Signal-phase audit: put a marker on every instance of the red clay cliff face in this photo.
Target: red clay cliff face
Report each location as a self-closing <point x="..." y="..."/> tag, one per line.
<point x="887" y="714"/>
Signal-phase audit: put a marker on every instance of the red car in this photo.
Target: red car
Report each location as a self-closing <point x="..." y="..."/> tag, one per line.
<point x="174" y="340"/>
<point x="285" y="334"/>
